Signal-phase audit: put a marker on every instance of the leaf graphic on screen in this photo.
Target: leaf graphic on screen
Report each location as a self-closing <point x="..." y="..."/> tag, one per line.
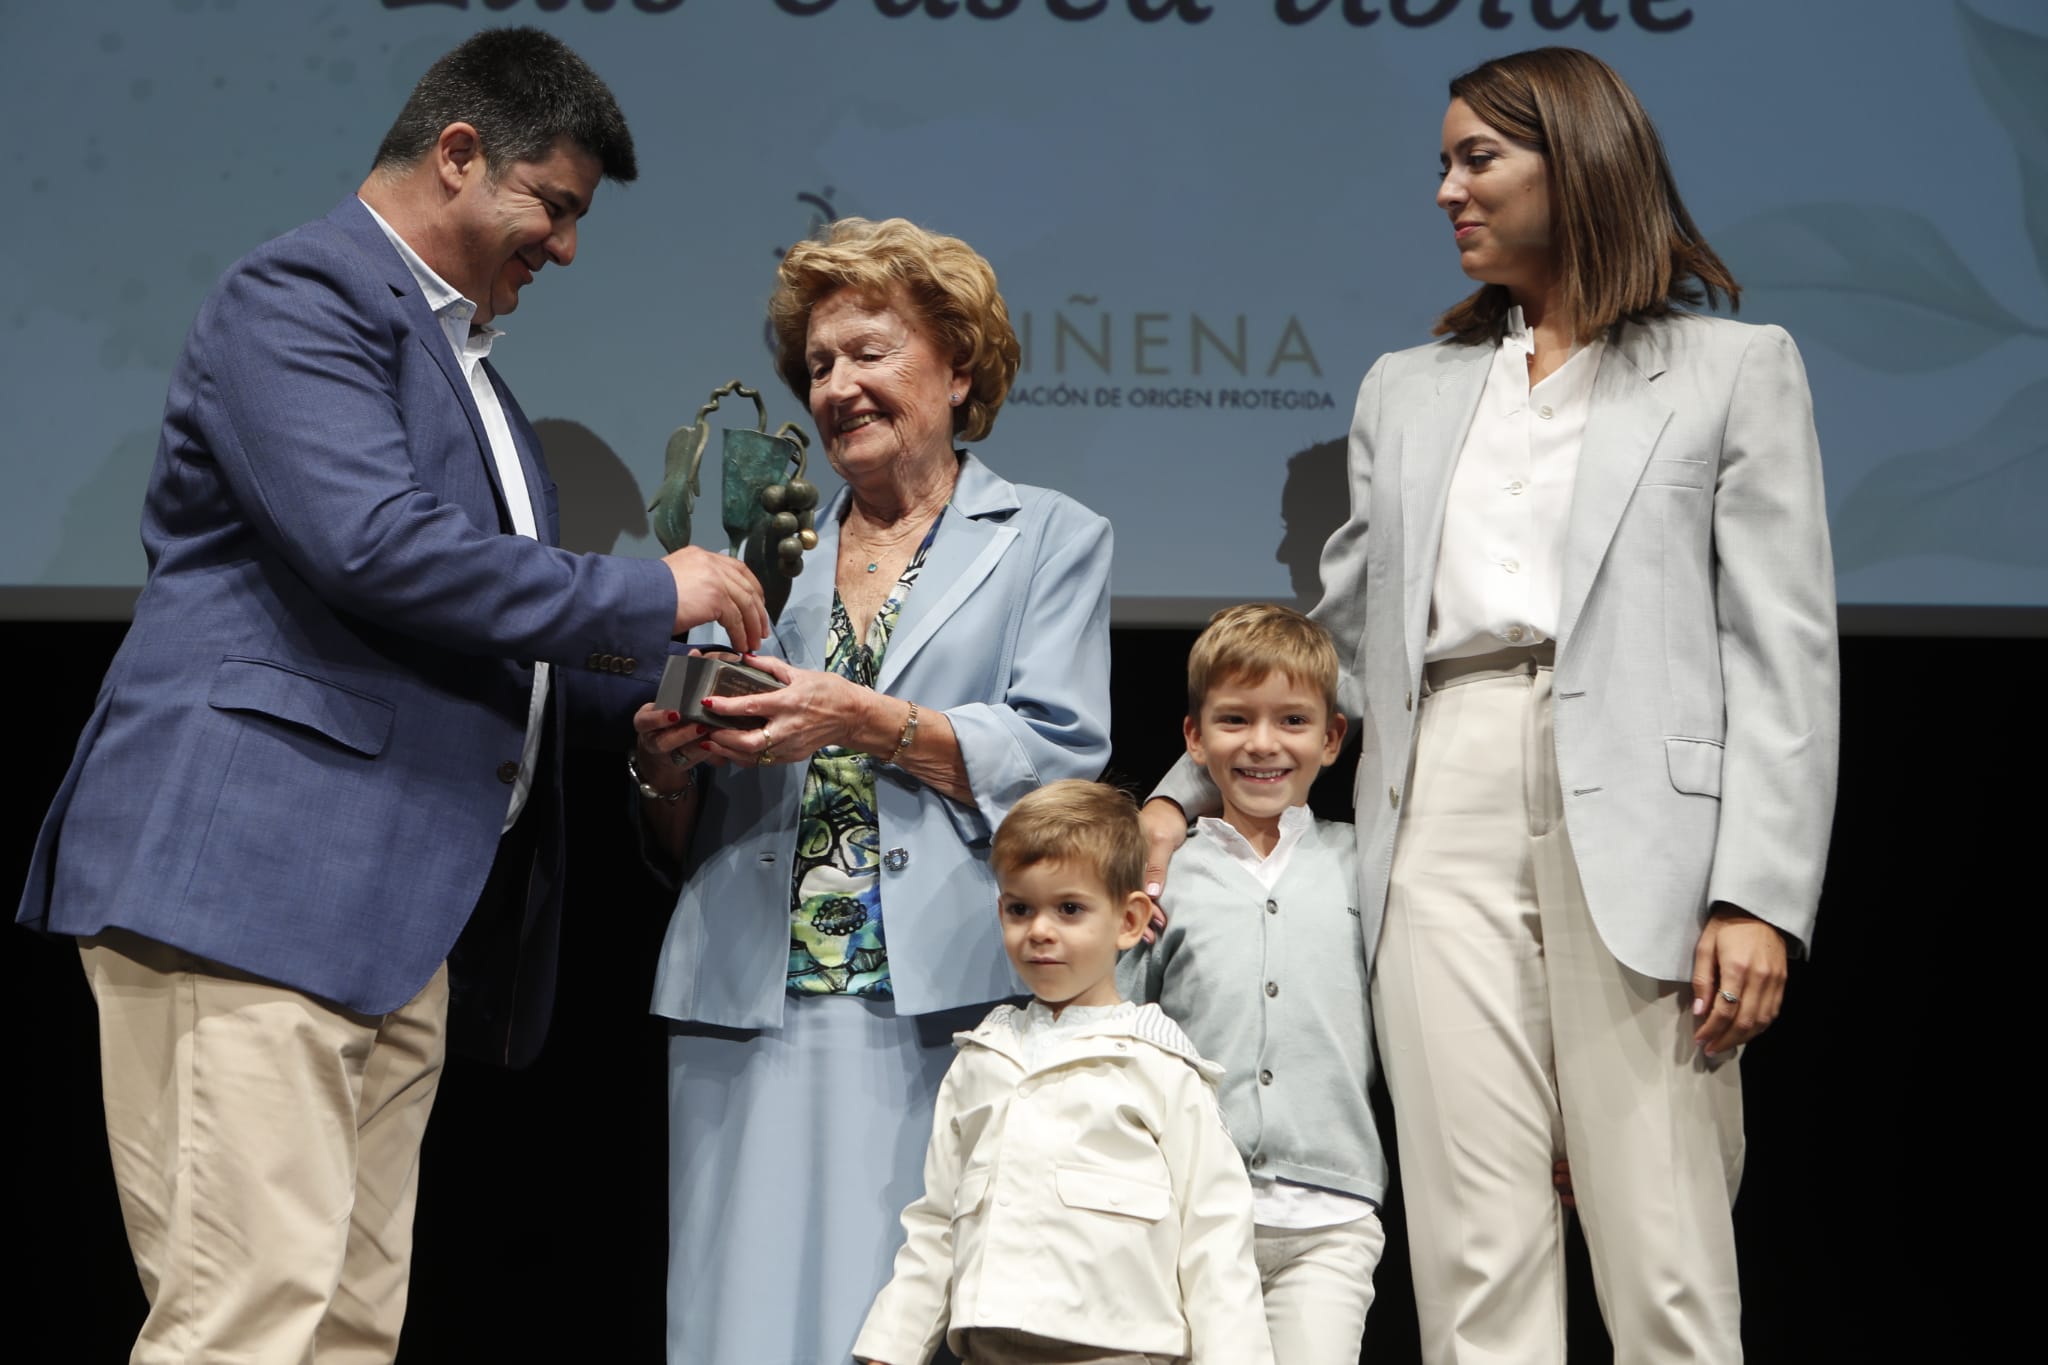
<point x="2010" y="67"/>
<point x="1980" y="498"/>
<point x="1879" y="284"/>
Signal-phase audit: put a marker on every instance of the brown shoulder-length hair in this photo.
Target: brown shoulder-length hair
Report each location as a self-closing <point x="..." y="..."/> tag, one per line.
<point x="947" y="282"/>
<point x="1626" y="247"/>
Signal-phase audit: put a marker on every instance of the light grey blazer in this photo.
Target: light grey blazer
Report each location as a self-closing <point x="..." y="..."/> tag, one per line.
<point x="1007" y="632"/>
<point x="1696" y="695"/>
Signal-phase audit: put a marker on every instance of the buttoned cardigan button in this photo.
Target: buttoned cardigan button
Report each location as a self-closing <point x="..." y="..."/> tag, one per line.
<point x="1272" y="907"/>
<point x="1265" y="1077"/>
<point x="1272" y="988"/>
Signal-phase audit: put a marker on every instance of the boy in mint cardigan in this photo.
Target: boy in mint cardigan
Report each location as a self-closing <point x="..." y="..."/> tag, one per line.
<point x="1264" y="961"/>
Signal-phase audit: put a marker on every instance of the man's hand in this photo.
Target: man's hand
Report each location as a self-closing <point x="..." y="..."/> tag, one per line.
<point x="1166" y="829"/>
<point x="1738" y="978"/>
<point x="714" y="587"/>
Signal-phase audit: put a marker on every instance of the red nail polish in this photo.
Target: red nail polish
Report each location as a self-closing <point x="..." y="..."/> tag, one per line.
<point x="674" y="716"/>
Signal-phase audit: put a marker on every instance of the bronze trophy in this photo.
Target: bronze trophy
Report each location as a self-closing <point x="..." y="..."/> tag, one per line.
<point x="766" y="505"/>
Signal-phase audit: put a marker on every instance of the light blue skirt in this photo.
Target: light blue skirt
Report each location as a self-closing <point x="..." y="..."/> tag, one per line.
<point x="792" y="1153"/>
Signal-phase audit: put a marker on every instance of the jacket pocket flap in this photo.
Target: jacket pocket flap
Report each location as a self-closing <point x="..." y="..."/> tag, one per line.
<point x="1081" y="1188"/>
<point x="973" y="1190"/>
<point x="1695" y="765"/>
<point x="1676" y="473"/>
<point x="349" y="718"/>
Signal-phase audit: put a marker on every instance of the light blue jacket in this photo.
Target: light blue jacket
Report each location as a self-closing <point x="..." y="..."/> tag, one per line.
<point x="1007" y="632"/>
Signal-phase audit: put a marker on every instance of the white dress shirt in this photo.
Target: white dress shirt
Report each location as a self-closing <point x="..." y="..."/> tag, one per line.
<point x="1500" y="566"/>
<point x="471" y="345"/>
<point x="1283" y="1203"/>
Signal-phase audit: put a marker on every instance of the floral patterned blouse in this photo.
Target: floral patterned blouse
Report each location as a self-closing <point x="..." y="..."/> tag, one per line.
<point x="835" y="931"/>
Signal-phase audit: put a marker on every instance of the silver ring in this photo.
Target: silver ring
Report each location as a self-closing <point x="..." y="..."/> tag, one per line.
<point x="1731" y="997"/>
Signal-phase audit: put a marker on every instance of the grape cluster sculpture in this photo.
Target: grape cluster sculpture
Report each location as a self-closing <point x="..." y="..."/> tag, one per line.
<point x="767" y="506"/>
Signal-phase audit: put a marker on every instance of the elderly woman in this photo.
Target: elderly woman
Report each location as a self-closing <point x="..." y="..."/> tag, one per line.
<point x="1587" y="596"/>
<point x="946" y="652"/>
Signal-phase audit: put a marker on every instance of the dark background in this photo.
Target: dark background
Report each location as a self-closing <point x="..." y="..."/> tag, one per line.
<point x="1891" y="1186"/>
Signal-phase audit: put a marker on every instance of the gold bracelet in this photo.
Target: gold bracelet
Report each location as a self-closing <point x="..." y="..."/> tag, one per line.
<point x="903" y="741"/>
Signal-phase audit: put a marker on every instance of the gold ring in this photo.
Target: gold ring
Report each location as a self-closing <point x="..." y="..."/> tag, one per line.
<point x="765" y="757"/>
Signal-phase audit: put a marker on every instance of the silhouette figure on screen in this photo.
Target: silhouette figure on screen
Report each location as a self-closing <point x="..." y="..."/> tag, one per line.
<point x="1313" y="503"/>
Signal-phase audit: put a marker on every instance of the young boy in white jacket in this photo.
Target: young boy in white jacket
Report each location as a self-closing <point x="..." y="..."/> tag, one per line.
<point x="1083" y="1204"/>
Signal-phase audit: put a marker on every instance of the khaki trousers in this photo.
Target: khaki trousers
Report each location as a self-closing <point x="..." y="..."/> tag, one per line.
<point x="266" y="1146"/>
<point x="1511" y="1036"/>
<point x="1318" y="1288"/>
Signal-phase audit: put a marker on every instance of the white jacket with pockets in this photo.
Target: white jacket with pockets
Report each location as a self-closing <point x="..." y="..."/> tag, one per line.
<point x="1095" y="1198"/>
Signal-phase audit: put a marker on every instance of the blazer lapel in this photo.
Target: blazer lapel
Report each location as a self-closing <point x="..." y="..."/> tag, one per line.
<point x="1623" y="424"/>
<point x="355" y="222"/>
<point x="1429" y="449"/>
<point x="966" y="550"/>
<point x="532" y="461"/>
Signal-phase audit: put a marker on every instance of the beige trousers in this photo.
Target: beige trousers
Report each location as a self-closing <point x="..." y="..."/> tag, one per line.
<point x="1318" y="1288"/>
<point x="266" y="1146"/>
<point x="1511" y="1037"/>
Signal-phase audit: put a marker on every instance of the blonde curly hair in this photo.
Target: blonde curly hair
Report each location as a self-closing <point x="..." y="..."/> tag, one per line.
<point x="947" y="282"/>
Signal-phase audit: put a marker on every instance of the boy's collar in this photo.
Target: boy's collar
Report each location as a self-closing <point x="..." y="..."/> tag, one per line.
<point x="1294" y="821"/>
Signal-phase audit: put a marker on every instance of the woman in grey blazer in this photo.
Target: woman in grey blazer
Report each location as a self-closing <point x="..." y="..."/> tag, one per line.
<point x="1589" y="603"/>
<point x="837" y="916"/>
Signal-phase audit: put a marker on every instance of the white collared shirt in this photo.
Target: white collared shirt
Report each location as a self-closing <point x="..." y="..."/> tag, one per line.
<point x="1500" y="567"/>
<point x="1267" y="868"/>
<point x="1283" y="1203"/>
<point x="471" y="345"/>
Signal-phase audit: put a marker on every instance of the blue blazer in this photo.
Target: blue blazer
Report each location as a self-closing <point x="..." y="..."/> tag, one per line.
<point x="298" y="763"/>
<point x="1007" y="632"/>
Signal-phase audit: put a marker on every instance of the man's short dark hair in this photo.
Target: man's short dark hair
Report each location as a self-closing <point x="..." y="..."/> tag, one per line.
<point x="522" y="90"/>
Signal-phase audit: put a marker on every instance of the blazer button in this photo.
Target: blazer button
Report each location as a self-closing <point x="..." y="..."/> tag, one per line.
<point x="1394" y="798"/>
<point x="896" y="859"/>
<point x="595" y="661"/>
<point x="508" y="771"/>
<point x="628" y="664"/>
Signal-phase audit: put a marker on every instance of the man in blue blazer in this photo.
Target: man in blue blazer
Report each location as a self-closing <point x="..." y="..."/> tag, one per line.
<point x="328" y="748"/>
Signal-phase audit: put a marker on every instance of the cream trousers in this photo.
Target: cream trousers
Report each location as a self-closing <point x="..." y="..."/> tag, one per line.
<point x="1511" y="1037"/>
